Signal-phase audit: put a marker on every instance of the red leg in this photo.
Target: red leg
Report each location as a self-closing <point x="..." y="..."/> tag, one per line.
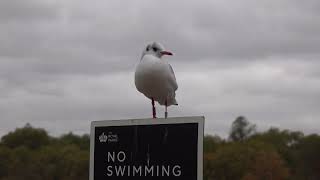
<point x="153" y="109"/>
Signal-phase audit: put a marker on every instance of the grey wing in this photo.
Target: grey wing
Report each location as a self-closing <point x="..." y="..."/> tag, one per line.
<point x="173" y="80"/>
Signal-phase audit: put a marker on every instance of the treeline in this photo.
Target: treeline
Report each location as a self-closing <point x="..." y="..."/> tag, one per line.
<point x="271" y="155"/>
<point x="30" y="153"/>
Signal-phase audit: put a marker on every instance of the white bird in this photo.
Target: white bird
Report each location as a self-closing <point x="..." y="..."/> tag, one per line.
<point x="154" y="77"/>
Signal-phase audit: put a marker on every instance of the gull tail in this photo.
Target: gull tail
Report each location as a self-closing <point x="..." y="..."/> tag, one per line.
<point x="175" y="102"/>
<point x="172" y="101"/>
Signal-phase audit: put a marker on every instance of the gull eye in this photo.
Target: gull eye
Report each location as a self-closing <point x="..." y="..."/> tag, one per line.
<point x="147" y="49"/>
<point x="155" y="49"/>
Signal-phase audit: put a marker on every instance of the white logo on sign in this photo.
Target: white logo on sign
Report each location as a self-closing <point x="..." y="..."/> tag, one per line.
<point x="110" y="137"/>
<point x="103" y="138"/>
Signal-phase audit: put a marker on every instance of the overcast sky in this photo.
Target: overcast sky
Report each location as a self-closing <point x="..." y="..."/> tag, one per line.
<point x="65" y="63"/>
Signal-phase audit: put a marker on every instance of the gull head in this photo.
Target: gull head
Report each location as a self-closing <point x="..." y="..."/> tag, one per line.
<point x="156" y="49"/>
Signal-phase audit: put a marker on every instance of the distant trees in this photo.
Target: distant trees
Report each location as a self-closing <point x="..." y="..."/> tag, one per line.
<point x="307" y="157"/>
<point x="246" y="161"/>
<point x="81" y="141"/>
<point x="271" y="155"/>
<point x="27" y="136"/>
<point x="211" y="143"/>
<point x="5" y="157"/>
<point x="241" y="129"/>
<point x="30" y="153"/>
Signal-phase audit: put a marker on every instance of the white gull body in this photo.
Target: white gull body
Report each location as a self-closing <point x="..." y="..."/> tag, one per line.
<point x="154" y="77"/>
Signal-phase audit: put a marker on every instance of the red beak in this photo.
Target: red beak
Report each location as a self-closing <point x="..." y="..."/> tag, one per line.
<point x="166" y="53"/>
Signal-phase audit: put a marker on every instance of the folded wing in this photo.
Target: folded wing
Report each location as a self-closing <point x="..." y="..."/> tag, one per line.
<point x="172" y="79"/>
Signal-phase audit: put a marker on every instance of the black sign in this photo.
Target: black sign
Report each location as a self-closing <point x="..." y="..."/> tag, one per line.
<point x="147" y="149"/>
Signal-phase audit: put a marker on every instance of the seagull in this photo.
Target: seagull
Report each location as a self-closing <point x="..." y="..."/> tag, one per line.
<point x="154" y="77"/>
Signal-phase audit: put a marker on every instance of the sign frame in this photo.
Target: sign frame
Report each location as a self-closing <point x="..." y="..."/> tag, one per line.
<point x="149" y="121"/>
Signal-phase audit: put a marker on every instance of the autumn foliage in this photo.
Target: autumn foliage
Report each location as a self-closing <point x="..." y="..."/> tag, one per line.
<point x="30" y="153"/>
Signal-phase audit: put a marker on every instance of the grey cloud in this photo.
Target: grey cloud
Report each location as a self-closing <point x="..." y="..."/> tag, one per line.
<point x="64" y="63"/>
<point x="30" y="10"/>
<point x="218" y="29"/>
